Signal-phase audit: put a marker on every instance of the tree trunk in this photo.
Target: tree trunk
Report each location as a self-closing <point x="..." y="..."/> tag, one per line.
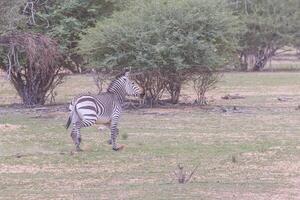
<point x="243" y="62"/>
<point x="175" y="93"/>
<point x="32" y="91"/>
<point x="173" y="85"/>
<point x="260" y="62"/>
<point x="31" y="98"/>
<point x="202" y="100"/>
<point x="262" y="57"/>
<point x="256" y="61"/>
<point x="153" y="85"/>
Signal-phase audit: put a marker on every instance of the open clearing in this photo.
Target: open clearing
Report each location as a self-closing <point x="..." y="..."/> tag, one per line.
<point x="245" y="148"/>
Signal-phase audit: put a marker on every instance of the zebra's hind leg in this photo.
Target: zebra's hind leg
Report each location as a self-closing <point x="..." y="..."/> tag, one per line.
<point x="75" y="134"/>
<point x="114" y="134"/>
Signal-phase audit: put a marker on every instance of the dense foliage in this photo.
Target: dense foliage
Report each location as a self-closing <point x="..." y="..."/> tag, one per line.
<point x="157" y="34"/>
<point x="9" y="15"/>
<point x="167" y="42"/>
<point x="66" y="20"/>
<point x="166" y="37"/>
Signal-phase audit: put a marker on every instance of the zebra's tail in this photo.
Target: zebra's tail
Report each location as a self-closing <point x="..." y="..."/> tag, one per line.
<point x="68" y="122"/>
<point x="71" y="109"/>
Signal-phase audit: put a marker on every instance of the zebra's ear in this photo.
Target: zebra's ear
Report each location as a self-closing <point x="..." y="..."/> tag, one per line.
<point x="127" y="74"/>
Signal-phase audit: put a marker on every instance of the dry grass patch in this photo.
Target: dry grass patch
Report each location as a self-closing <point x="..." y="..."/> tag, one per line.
<point x="262" y="135"/>
<point x="10" y="127"/>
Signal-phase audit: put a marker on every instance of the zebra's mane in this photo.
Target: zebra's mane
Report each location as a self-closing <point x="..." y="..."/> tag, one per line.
<point x="118" y="77"/>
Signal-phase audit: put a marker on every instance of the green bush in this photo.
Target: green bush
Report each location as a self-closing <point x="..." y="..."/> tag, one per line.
<point x="171" y="38"/>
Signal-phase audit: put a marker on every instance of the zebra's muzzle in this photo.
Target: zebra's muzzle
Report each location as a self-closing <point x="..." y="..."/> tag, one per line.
<point x="142" y="95"/>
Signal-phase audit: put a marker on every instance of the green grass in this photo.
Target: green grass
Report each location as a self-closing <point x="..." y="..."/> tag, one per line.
<point x="37" y="162"/>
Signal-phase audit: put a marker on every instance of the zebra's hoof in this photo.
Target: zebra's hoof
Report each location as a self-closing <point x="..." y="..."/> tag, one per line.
<point x="109" y="141"/>
<point x="119" y="148"/>
<point x="78" y="149"/>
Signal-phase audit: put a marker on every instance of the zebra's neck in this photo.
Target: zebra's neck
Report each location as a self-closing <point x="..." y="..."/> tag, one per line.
<point x="117" y="88"/>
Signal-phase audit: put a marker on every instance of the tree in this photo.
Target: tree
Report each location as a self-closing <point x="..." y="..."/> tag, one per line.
<point x="270" y="25"/>
<point x="33" y="65"/>
<point x="39" y="38"/>
<point x="165" y="40"/>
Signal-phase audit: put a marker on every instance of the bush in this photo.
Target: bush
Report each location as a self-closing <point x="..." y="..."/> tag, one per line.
<point x="153" y="85"/>
<point x="33" y="65"/>
<point x="164" y="40"/>
<point x="204" y="81"/>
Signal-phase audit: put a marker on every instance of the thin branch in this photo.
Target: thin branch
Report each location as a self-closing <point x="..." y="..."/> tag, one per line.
<point x="32" y="13"/>
<point x="9" y="66"/>
<point x="192" y="173"/>
<point x="25" y="8"/>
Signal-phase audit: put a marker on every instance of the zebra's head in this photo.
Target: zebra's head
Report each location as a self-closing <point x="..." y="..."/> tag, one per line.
<point x="131" y="87"/>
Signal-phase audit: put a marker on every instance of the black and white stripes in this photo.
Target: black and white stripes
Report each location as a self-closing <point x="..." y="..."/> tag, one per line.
<point x="106" y="108"/>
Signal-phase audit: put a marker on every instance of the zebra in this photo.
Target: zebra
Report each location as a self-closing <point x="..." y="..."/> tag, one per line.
<point x="105" y="108"/>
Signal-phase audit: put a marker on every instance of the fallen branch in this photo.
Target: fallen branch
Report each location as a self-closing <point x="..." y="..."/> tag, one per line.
<point x="284" y="98"/>
<point x="236" y="96"/>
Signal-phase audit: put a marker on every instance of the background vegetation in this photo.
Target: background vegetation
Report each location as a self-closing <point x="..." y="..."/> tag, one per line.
<point x="166" y="42"/>
<point x="239" y="59"/>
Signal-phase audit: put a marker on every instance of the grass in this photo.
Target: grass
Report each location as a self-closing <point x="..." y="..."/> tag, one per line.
<point x="37" y="162"/>
<point x="286" y="63"/>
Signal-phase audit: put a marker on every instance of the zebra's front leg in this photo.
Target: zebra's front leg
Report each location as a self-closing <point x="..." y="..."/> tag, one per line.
<point x="75" y="134"/>
<point x="114" y="134"/>
<point x="110" y="140"/>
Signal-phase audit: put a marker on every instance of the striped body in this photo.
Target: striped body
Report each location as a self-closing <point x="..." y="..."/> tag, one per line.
<point x="106" y="108"/>
<point x="98" y="109"/>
